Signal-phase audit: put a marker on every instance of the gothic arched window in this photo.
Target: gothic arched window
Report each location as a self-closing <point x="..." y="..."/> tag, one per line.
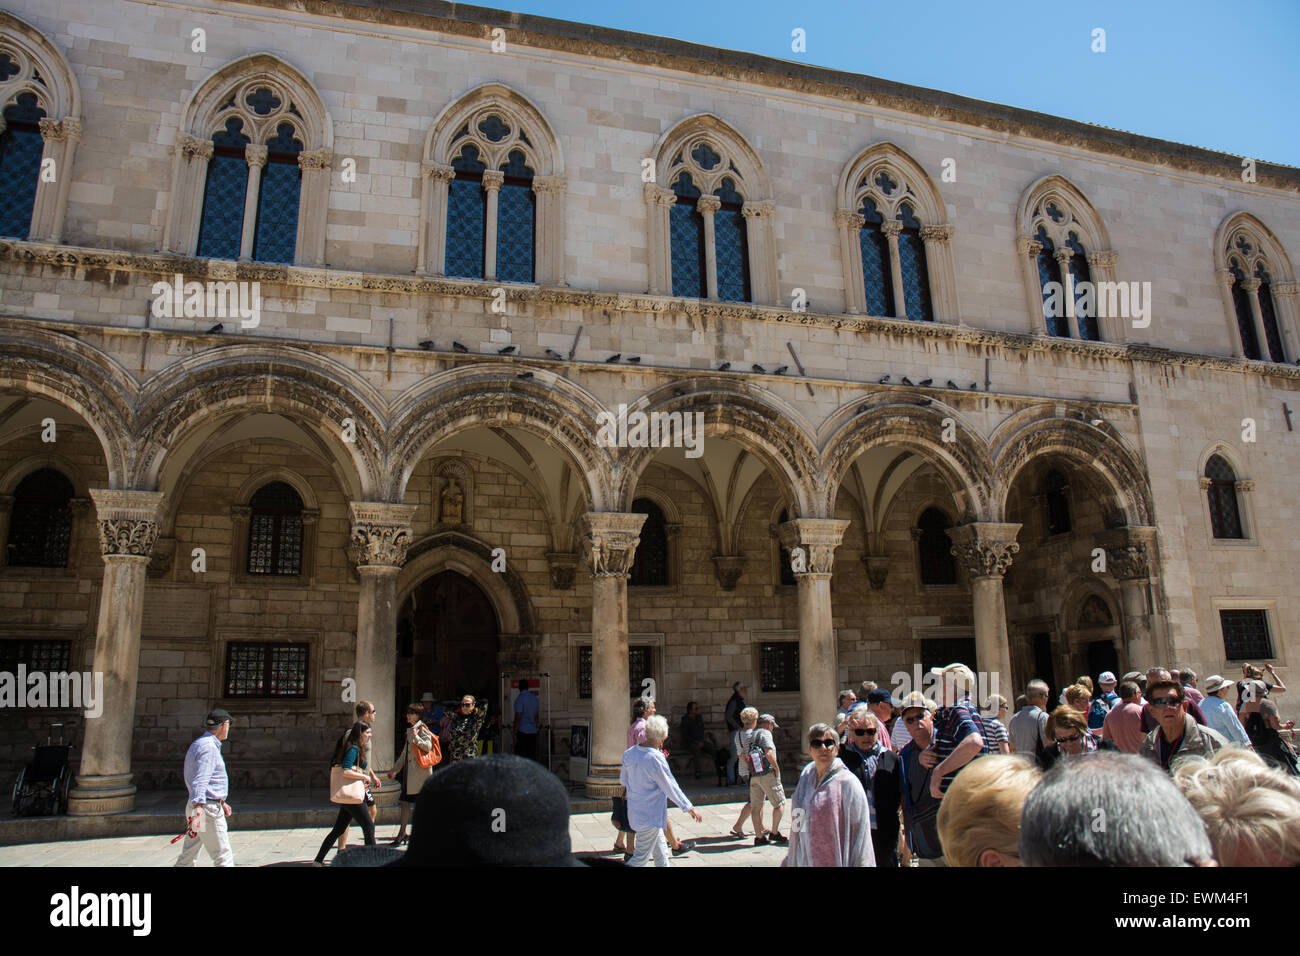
<point x="686" y="227"/>
<point x="221" y="226"/>
<point x="877" y="276"/>
<point x="40" y="525"/>
<point x="1250" y="264"/>
<point x="911" y="261"/>
<point x="650" y="565"/>
<point x="21" y="147"/>
<point x="277" y="202"/>
<point x="1057" y="502"/>
<point x="516" y="219"/>
<point x="466" y="216"/>
<point x="275" y="530"/>
<point x="1225" y="516"/>
<point x="934" y="548"/>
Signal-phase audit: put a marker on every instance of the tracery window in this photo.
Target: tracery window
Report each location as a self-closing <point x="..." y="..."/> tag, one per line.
<point x="1062" y="254"/>
<point x="275" y="530"/>
<point x="20" y="160"/>
<point x="1221" y="489"/>
<point x="40" y="524"/>
<point x="1249" y="275"/>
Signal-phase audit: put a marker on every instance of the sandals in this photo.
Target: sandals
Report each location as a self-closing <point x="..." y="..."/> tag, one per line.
<point x="399" y="840"/>
<point x="738" y="834"/>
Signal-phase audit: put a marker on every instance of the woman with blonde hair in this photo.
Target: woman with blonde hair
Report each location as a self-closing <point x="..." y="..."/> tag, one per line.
<point x="979" y="820"/>
<point x="1250" y="810"/>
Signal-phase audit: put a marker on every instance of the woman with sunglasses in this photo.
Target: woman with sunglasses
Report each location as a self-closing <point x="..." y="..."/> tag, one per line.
<point x="876" y="768"/>
<point x="1067" y="729"/>
<point x="831" y="821"/>
<point x="464" y="729"/>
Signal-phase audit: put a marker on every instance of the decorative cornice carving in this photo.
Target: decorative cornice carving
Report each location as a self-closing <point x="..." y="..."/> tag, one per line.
<point x="854" y="220"/>
<point x="818" y="537"/>
<point x="728" y="568"/>
<point x="984" y="548"/>
<point x="562" y="566"/>
<point x="1128" y="551"/>
<point x="191" y="146"/>
<point x="611" y="539"/>
<point x="940" y="232"/>
<point x="381" y="533"/>
<point x="317" y="159"/>
<point x="877" y="566"/>
<point x="128" y="521"/>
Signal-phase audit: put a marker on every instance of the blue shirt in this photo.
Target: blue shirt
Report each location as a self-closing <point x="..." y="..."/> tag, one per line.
<point x="1220" y="715"/>
<point x="205" y="771"/>
<point x="952" y="725"/>
<point x="527" y="706"/>
<point x="649" y="784"/>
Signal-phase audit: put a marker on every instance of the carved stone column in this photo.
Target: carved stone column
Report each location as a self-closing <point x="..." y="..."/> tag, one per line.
<point x="985" y="549"/>
<point x="493" y="180"/>
<point x="1128" y="559"/>
<point x="51" y="205"/>
<point x="662" y="264"/>
<point x="128" y="527"/>
<point x="1251" y="285"/>
<point x="381" y="533"/>
<point x="1101" y="267"/>
<point x="760" y="239"/>
<point x="727" y="568"/>
<point x="818" y="665"/>
<point x="189" y="173"/>
<point x="550" y="192"/>
<point x="849" y="226"/>
<point x="892" y="228"/>
<point x="1284" y="302"/>
<point x="939" y="266"/>
<point x="1029" y="248"/>
<point x="610" y="539"/>
<point x="431" y="257"/>
<point x="1224" y="279"/>
<point x="255" y="155"/>
<point x="309" y="245"/>
<point x="707" y="206"/>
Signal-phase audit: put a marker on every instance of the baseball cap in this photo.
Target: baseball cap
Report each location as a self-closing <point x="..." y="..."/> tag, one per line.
<point x="1106" y="678"/>
<point x="880" y="696"/>
<point x="959" y="673"/>
<point x="769" y="717"/>
<point x="217" y="717"/>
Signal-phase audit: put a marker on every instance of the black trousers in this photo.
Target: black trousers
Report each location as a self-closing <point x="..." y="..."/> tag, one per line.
<point x="526" y="745"/>
<point x="357" y="813"/>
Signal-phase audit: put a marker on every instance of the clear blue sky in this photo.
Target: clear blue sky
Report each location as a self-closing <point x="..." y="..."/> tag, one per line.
<point x="1224" y="75"/>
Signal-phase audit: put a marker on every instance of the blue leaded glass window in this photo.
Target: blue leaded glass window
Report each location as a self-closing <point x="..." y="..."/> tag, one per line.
<point x="1049" y="270"/>
<point x="20" y="165"/>
<point x="221" y="225"/>
<point x="876" y="275"/>
<point x="466" y="217"/>
<point x="731" y="244"/>
<point x="1265" y="293"/>
<point x="516" y="221"/>
<point x="1245" y="321"/>
<point x="686" y="234"/>
<point x="277" y="206"/>
<point x="1081" y="273"/>
<point x="911" y="260"/>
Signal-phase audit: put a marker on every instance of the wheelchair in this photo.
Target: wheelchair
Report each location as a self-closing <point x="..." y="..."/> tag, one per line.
<point x="42" y="786"/>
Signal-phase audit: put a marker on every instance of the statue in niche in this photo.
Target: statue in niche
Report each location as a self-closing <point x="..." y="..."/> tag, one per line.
<point x="453" y="503"/>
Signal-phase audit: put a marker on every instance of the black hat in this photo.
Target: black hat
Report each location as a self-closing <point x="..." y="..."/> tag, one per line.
<point x="498" y="810"/>
<point x="217" y="717"/>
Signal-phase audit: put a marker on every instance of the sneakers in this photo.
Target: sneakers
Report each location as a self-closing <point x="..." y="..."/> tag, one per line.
<point x="776" y="838"/>
<point x="761" y="840"/>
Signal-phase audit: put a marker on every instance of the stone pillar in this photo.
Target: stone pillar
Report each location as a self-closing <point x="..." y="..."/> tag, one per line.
<point x="1251" y="285"/>
<point x="189" y="174"/>
<point x="849" y="225"/>
<point x="984" y="549"/>
<point x="1062" y="257"/>
<point x="1284" y="298"/>
<point x="431" y="258"/>
<point x="309" y="247"/>
<point x="818" y="664"/>
<point x="255" y="155"/>
<point x="940" y="272"/>
<point x="664" y="264"/>
<point x="761" y="241"/>
<point x="610" y="539"/>
<point x="1029" y="248"/>
<point x="1224" y="279"/>
<point x="128" y="526"/>
<point x="892" y="228"/>
<point x="493" y="180"/>
<point x="708" y="205"/>
<point x="381" y="533"/>
<point x="1128" y="559"/>
<point x="51" y="206"/>
<point x="549" y="238"/>
<point x="1111" y="328"/>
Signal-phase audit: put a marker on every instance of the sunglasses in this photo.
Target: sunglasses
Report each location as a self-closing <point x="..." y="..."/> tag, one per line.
<point x="828" y="744"/>
<point x="863" y="733"/>
<point x="1072" y="739"/>
<point x="1165" y="702"/>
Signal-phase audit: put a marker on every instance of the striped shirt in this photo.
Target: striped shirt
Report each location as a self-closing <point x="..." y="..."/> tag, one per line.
<point x="205" y="771"/>
<point x="952" y="725"/>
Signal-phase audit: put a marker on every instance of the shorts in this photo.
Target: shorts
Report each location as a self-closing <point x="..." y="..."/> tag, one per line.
<point x="765" y="785"/>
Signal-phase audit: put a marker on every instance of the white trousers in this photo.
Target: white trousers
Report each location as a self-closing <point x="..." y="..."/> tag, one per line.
<point x="213" y="837"/>
<point x="650" y="843"/>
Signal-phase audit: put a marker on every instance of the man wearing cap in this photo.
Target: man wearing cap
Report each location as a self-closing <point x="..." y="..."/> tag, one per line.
<point x="958" y="737"/>
<point x="920" y="803"/>
<point x="1220" y="714"/>
<point x="881" y="703"/>
<point x="208" y="787"/>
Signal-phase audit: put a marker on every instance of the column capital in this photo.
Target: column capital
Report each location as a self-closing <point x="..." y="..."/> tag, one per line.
<point x="1250" y="284"/>
<point x="1128" y="551"/>
<point x="727" y="568"/>
<point x="819" y="537"/>
<point x="191" y="146"/>
<point x="708" y="205"/>
<point x="381" y="533"/>
<point x="562" y="566"/>
<point x="549" y="184"/>
<point x="846" y="217"/>
<point x="59" y="131"/>
<point x="439" y="171"/>
<point x="877" y="566"/>
<point x="1286" y="288"/>
<point x="255" y="154"/>
<point x="1105" y="258"/>
<point x="940" y="232"/>
<point x="665" y="197"/>
<point x="128" y="521"/>
<point x="1028" y="246"/>
<point x="1224" y="277"/>
<point x="1245" y="484"/>
<point x="493" y="179"/>
<point x="761" y="209"/>
<point x="984" y="548"/>
<point x="316" y="159"/>
<point x="611" y="538"/>
<point x="892" y="228"/>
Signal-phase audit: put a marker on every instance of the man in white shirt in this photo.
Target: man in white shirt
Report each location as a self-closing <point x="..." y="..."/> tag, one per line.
<point x="650" y="784"/>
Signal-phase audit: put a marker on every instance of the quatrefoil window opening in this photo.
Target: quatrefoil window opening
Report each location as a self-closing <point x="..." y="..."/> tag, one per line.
<point x="708" y="164"/>
<point x="884" y="190"/>
<point x="1246" y="253"/>
<point x="493" y="134"/>
<point x="18" y="74"/>
<point x="263" y="109"/>
<point x="1055" y="218"/>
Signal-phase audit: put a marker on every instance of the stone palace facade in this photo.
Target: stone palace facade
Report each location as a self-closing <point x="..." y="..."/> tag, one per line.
<point x="476" y="235"/>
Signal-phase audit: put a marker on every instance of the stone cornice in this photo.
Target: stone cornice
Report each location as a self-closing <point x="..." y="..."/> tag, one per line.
<point x="164" y="266"/>
<point x="583" y="40"/>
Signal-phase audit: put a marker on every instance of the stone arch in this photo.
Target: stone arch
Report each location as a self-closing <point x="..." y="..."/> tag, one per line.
<point x="43" y="71"/>
<point x="80" y="378"/>
<point x="471" y="557"/>
<point x="918" y="189"/>
<point x="1080" y="212"/>
<point x="69" y="469"/>
<point x="1076" y="595"/>
<point x="1225" y="451"/>
<point x="548" y="405"/>
<point x="1090" y="448"/>
<point x="316" y="392"/>
<point x="1269" y="247"/>
<point x="539" y="145"/>
<point x="210" y="97"/>
<point x="757" y="420"/>
<point x="706" y="127"/>
<point x="894" y="420"/>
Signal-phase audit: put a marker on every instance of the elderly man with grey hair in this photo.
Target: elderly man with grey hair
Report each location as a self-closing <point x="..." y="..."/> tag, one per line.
<point x="1111" y="809"/>
<point x="1027" y="730"/>
<point x="649" y="783"/>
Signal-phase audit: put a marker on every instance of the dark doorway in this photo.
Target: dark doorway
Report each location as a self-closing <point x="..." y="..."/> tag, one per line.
<point x="1102" y="656"/>
<point x="447" y="642"/>
<point x="942" y="651"/>
<point x="1043" y="669"/>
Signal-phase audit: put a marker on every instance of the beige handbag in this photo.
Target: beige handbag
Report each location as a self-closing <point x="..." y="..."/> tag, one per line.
<point x="345" y="791"/>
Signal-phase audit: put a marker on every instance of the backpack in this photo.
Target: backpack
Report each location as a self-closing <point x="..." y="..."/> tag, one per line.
<point x="1097" y="711"/>
<point x="755" y="757"/>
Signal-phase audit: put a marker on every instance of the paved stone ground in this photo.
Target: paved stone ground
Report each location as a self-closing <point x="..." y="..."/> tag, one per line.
<point x="591" y="833"/>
